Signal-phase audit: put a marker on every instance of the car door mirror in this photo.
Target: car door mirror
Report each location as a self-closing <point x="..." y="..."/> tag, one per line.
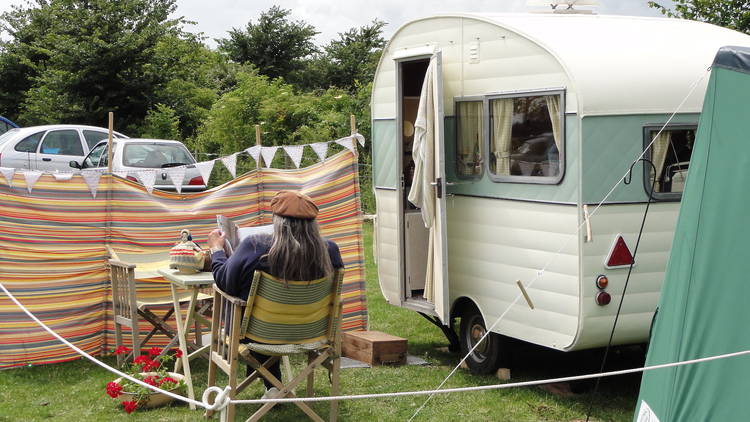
<point x="74" y="164"/>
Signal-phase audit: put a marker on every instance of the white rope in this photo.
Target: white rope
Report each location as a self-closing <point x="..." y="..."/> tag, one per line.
<point x="573" y="235"/>
<point x="93" y="359"/>
<point x="495" y="386"/>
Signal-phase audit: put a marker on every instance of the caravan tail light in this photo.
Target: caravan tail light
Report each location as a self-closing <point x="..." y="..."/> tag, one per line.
<point x="132" y="179"/>
<point x="197" y="180"/>
<point x="603" y="298"/>
<point x="602" y="281"/>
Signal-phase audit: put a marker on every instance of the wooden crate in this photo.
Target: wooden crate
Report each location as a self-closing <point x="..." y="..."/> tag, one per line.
<point x="374" y="347"/>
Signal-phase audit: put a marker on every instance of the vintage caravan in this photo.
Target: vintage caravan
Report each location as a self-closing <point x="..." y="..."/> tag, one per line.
<point x="524" y="124"/>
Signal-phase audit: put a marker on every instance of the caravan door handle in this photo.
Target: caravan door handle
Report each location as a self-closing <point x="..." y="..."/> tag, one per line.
<point x="439" y="187"/>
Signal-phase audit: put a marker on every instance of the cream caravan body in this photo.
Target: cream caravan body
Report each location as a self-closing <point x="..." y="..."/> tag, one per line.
<point x="600" y="89"/>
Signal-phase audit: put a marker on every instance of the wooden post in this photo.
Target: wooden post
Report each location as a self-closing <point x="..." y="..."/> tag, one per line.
<point x="109" y="142"/>
<point x="353" y="124"/>
<point x="257" y="142"/>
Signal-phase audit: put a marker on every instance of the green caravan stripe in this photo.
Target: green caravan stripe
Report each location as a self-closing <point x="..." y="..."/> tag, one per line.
<point x="270" y="332"/>
<point x="294" y="294"/>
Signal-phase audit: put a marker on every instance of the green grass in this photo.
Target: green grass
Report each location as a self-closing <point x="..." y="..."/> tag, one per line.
<point x="74" y="391"/>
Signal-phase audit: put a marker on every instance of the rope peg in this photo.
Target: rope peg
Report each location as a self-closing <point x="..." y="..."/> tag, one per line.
<point x="525" y="294"/>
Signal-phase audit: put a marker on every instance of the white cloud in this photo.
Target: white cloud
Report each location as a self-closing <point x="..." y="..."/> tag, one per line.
<point x="331" y="17"/>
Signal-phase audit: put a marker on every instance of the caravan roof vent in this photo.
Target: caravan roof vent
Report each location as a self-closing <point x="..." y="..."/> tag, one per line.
<point x="563" y="6"/>
<point x="619" y="254"/>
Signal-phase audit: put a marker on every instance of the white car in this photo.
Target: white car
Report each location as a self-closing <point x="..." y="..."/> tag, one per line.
<point x="49" y="148"/>
<point x="134" y="155"/>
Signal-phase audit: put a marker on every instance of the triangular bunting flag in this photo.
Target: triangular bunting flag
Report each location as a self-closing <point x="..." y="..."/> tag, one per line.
<point x="122" y="173"/>
<point x="148" y="179"/>
<point x="254" y="152"/>
<point x="320" y="148"/>
<point x="91" y="177"/>
<point x="205" y="168"/>
<point x="230" y="162"/>
<point x="348" y="143"/>
<point x="61" y="177"/>
<point x="360" y="139"/>
<point x="8" y="173"/>
<point x="177" y="176"/>
<point x="268" y="154"/>
<point x="295" y="153"/>
<point x="31" y="177"/>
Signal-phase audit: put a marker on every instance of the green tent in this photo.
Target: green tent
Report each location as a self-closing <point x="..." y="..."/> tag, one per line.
<point x="704" y="307"/>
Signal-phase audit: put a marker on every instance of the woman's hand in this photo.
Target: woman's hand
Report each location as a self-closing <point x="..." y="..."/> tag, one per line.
<point x="216" y="239"/>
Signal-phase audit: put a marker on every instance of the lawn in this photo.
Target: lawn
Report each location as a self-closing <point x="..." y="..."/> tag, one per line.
<point x="74" y="391"/>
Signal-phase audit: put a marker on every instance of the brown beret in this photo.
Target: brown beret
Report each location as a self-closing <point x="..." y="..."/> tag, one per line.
<point x="289" y="203"/>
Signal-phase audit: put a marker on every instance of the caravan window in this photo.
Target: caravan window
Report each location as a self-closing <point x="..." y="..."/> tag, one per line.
<point x="526" y="138"/>
<point x="670" y="153"/>
<point x="469" y="138"/>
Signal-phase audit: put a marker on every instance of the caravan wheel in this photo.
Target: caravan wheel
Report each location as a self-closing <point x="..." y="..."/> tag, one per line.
<point x="485" y="358"/>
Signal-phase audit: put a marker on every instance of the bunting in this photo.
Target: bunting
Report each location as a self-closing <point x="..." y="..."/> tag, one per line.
<point x="8" y="174"/>
<point x="61" y="177"/>
<point x="205" y="168"/>
<point x="348" y="143"/>
<point x="268" y="154"/>
<point x="295" y="153"/>
<point x="321" y="149"/>
<point x="254" y="151"/>
<point x="91" y="177"/>
<point x="177" y="175"/>
<point x="31" y="177"/>
<point x="230" y="162"/>
<point x="148" y="179"/>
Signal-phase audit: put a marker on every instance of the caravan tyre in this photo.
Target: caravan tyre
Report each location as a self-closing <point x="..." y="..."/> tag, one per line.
<point x="485" y="358"/>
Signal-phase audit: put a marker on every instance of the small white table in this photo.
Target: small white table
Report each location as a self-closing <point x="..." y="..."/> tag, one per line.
<point x="193" y="282"/>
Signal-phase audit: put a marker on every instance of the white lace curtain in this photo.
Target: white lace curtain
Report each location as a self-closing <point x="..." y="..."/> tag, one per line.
<point x="470" y="137"/>
<point x="502" y="125"/>
<point x="658" y="155"/>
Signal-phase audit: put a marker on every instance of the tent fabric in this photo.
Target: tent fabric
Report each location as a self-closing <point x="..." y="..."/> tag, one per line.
<point x="703" y="305"/>
<point x="53" y="254"/>
<point x="733" y="58"/>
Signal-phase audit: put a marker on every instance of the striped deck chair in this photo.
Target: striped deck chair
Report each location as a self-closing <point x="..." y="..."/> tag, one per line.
<point x="279" y="319"/>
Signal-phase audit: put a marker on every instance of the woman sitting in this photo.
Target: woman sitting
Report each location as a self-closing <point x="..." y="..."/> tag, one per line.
<point x="295" y="251"/>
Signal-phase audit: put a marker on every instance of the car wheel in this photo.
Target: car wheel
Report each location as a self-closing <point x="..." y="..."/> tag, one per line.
<point x="485" y="358"/>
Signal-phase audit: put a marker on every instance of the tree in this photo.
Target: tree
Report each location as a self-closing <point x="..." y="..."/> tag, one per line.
<point x="75" y="60"/>
<point x="732" y="14"/>
<point x="275" y="45"/>
<point x="354" y="56"/>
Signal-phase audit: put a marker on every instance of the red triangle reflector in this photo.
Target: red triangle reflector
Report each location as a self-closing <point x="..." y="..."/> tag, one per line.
<point x="620" y="254"/>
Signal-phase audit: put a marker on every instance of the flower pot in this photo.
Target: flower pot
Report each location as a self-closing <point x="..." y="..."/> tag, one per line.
<point x="155" y="398"/>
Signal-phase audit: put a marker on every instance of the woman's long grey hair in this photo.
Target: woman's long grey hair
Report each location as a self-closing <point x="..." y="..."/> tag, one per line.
<point x="298" y="251"/>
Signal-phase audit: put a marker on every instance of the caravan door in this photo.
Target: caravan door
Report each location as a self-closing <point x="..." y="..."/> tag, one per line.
<point x="424" y="232"/>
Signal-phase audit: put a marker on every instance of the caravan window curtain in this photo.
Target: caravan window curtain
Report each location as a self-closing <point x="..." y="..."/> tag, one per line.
<point x="670" y="153"/>
<point x="469" y="138"/>
<point x="526" y="139"/>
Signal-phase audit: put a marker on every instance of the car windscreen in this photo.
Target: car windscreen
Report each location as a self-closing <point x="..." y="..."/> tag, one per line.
<point x="151" y="155"/>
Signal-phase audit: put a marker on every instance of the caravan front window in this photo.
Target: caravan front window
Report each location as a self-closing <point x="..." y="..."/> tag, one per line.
<point x="670" y="152"/>
<point x="526" y="138"/>
<point x="469" y="139"/>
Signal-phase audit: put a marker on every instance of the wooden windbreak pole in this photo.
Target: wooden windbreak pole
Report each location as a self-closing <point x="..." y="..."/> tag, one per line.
<point x="257" y="142"/>
<point x="109" y="142"/>
<point x="353" y="124"/>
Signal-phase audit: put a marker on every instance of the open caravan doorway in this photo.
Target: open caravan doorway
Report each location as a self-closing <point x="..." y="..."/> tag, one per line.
<point x="422" y="172"/>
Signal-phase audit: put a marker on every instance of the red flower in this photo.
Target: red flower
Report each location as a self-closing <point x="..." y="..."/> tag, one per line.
<point x="151" y="365"/>
<point x="130" y="406"/>
<point x="122" y="350"/>
<point x="178" y="353"/>
<point x="151" y="380"/>
<point x="154" y="351"/>
<point x="168" y="379"/>
<point x="143" y="359"/>
<point x="113" y="389"/>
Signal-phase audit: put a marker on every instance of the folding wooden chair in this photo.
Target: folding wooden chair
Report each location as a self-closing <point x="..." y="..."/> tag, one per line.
<point x="128" y="309"/>
<point x="279" y="319"/>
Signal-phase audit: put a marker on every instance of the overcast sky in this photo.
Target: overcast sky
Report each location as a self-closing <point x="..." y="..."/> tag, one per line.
<point x="215" y="18"/>
<point x="330" y="17"/>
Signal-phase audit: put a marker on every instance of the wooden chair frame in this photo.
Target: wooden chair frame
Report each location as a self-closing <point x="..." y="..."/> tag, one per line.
<point x="232" y="314"/>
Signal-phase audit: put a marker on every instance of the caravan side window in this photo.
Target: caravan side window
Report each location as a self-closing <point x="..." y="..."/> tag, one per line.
<point x="670" y="153"/>
<point x="526" y="138"/>
<point x="469" y="139"/>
